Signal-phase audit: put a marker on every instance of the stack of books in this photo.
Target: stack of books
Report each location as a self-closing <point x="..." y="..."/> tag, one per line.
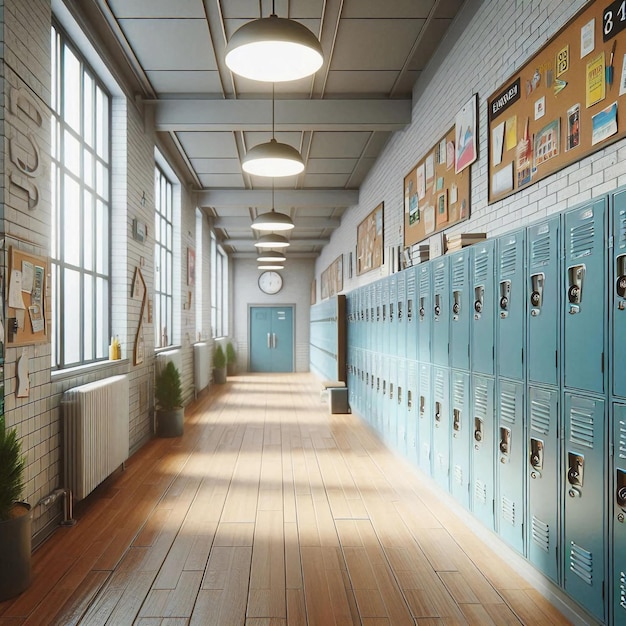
<point x="456" y="242"/>
<point x="421" y="253"/>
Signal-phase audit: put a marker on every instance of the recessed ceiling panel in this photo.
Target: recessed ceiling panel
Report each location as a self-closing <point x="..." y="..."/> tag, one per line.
<point x="382" y="44"/>
<point x="216" y="166"/>
<point x="361" y="171"/>
<point x="221" y="180"/>
<point x="330" y="166"/>
<point x="429" y="43"/>
<point x="448" y="8"/>
<point x="371" y="83"/>
<point x="157" y="8"/>
<point x="338" y="144"/>
<point x="320" y="181"/>
<point x="185" y="82"/>
<point x="232" y="25"/>
<point x="171" y="44"/>
<point x="282" y="182"/>
<point x="247" y="88"/>
<point x="208" y="145"/>
<point x="386" y="8"/>
<point x="254" y="138"/>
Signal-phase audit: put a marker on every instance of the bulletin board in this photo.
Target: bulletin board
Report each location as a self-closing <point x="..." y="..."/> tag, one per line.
<point x="435" y="195"/>
<point x="26" y="320"/>
<point x="332" y="278"/>
<point x="567" y="102"/>
<point x="370" y="241"/>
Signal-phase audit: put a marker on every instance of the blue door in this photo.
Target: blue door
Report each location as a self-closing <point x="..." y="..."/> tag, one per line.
<point x="271" y="339"/>
<point x="460" y="309"/>
<point x="483" y="296"/>
<point x="460" y="442"/>
<point x="618" y="344"/>
<point x="619" y="515"/>
<point x="542" y="300"/>
<point x="441" y="311"/>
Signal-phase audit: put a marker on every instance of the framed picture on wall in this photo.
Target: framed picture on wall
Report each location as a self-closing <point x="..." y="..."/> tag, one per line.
<point x="191" y="267"/>
<point x="369" y="241"/>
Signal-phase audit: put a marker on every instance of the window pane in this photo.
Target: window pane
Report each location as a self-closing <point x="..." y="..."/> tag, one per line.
<point x="71" y="90"/>
<point x="102" y="318"/>
<point x="102" y="238"/>
<point x="54" y="128"/>
<point x="102" y="124"/>
<point x="71" y="222"/>
<point x="88" y="110"/>
<point x="71" y="314"/>
<point x="71" y="153"/>
<point x="54" y="343"/>
<point x="54" y="172"/>
<point x="88" y="317"/>
<point x="88" y="168"/>
<point x="55" y="75"/>
<point x="88" y="231"/>
<point x="102" y="180"/>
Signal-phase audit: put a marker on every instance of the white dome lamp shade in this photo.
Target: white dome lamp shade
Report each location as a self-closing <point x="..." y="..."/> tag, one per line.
<point x="273" y="49"/>
<point x="271" y="256"/>
<point x="271" y="241"/>
<point x="271" y="266"/>
<point x="272" y="159"/>
<point x="272" y="220"/>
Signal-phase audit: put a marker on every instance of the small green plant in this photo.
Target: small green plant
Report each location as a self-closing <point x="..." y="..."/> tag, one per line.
<point x="219" y="358"/>
<point x="12" y="465"/>
<point x="168" y="391"/>
<point x="231" y="355"/>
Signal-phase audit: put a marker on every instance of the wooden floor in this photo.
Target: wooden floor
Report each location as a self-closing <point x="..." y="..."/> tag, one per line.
<point x="269" y="511"/>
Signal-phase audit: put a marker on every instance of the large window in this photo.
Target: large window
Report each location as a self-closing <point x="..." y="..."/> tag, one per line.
<point x="81" y="191"/>
<point x="219" y="289"/>
<point x="163" y="259"/>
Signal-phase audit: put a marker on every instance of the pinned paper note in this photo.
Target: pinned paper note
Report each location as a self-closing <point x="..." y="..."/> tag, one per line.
<point x="15" y="290"/>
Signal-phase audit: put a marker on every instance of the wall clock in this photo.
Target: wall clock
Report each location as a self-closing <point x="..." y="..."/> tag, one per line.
<point x="270" y="282"/>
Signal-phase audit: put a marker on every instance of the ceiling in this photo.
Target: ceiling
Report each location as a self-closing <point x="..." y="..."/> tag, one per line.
<point x="339" y="119"/>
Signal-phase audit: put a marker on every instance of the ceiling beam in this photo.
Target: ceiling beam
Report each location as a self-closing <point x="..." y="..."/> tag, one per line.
<point x="283" y="198"/>
<point x="298" y="115"/>
<point x="289" y="255"/>
<point x="315" y="223"/>
<point x="322" y="241"/>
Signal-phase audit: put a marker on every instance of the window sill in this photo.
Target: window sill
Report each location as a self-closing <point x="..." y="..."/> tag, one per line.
<point x="80" y="370"/>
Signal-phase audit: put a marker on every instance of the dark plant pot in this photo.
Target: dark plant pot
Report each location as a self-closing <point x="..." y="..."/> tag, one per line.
<point x="231" y="369"/>
<point x="219" y="375"/>
<point x="15" y="548"/>
<point x="170" y="423"/>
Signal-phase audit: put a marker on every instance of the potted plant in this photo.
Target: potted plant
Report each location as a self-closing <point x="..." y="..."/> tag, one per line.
<point x="219" y="365"/>
<point x="15" y="518"/>
<point x="170" y="413"/>
<point x="231" y="359"/>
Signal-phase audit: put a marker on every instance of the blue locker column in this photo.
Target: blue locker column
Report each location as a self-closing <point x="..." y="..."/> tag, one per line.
<point x="618" y="322"/>
<point x="511" y="453"/>
<point x="391" y="412"/>
<point x="584" y="481"/>
<point x="392" y="344"/>
<point x="355" y="394"/>
<point x="511" y="318"/>
<point x="377" y="295"/>
<point x="424" y="312"/>
<point x="460" y="309"/>
<point x="584" y="297"/>
<point x="482" y="328"/>
<point x="412" y="410"/>
<point x="483" y="449"/>
<point x="401" y="412"/>
<point x="543" y="500"/>
<point x="543" y="310"/>
<point x="370" y="327"/>
<point x="385" y="337"/>
<point x="441" y="311"/>
<point x="367" y="389"/>
<point x="372" y="390"/>
<point x="411" y="313"/>
<point x="401" y="314"/>
<point x="441" y="426"/>
<point x="619" y="515"/>
<point x="424" y="413"/>
<point x="383" y="405"/>
<point x="461" y="437"/>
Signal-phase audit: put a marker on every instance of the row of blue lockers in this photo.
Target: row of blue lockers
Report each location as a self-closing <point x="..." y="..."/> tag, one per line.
<point x="499" y="370"/>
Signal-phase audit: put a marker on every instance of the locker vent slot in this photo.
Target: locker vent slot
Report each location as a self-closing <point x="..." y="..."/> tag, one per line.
<point x="581" y="238"/>
<point x="541" y="534"/>
<point x="440" y="277"/>
<point x="507" y="406"/>
<point x="424" y="379"/>
<point x="581" y="563"/>
<point x="480" y="492"/>
<point x="540" y="417"/>
<point x="439" y="383"/>
<point x="622" y="589"/>
<point x="410" y="286"/>
<point x="424" y="283"/>
<point x="458" y="392"/>
<point x="581" y="425"/>
<point x="508" y="510"/>
<point x="622" y="440"/>
<point x="480" y="400"/>
<point x="540" y="251"/>
<point x="481" y="268"/>
<point x="508" y="261"/>
<point x="458" y="274"/>
<point x="621" y="243"/>
<point x="458" y="475"/>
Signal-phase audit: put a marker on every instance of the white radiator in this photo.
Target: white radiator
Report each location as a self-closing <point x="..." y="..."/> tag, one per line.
<point x="201" y="366"/>
<point x="96" y="432"/>
<point x="163" y="358"/>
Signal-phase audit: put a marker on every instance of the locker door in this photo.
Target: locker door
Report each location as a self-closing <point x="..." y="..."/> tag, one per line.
<point x="369" y="366"/>
<point x="584" y="296"/>
<point x="618" y="343"/>
<point x="378" y="321"/>
<point x="391" y="413"/>
<point x="411" y="313"/>
<point x="619" y="514"/>
<point x="392" y="319"/>
<point x="424" y="312"/>
<point x="543" y="310"/>
<point x="511" y="316"/>
<point x="401" y="412"/>
<point x="441" y="311"/>
<point x="441" y="426"/>
<point x="412" y="407"/>
<point x="460" y="442"/>
<point x="483" y="449"/>
<point x="385" y="338"/>
<point x="543" y="483"/>
<point x="424" y="413"/>
<point x="460" y="309"/>
<point x="584" y="500"/>
<point x="383" y="406"/>
<point x="510" y="468"/>
<point x="482" y="324"/>
<point x="401" y="314"/>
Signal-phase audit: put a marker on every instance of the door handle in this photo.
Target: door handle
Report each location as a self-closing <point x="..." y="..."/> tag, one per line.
<point x="273" y="340"/>
<point x="269" y="341"/>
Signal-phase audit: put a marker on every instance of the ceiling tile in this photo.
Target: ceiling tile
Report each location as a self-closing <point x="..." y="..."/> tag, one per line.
<point x="372" y="83"/>
<point x="230" y="26"/>
<point x="221" y="180"/>
<point x="448" y="8"/>
<point x="157" y="8"/>
<point x="404" y="87"/>
<point x="429" y="42"/>
<point x="208" y="144"/>
<point x="338" y="144"/>
<point x="187" y="43"/>
<point x="254" y="138"/>
<point x="386" y="9"/>
<point x="377" y="143"/>
<point x="330" y="166"/>
<point x="188" y="82"/>
<point x="216" y="166"/>
<point x="319" y="181"/>
<point x="253" y="88"/>
<point x="361" y="171"/>
<point x="282" y="182"/>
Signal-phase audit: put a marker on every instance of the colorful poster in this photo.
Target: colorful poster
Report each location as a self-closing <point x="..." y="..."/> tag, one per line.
<point x="595" y="83"/>
<point x="547" y="142"/>
<point x="573" y="127"/>
<point x="604" y="124"/>
<point x="465" y="135"/>
<point x="587" y="38"/>
<point x="497" y="143"/>
<point x="510" y="133"/>
<point x="442" y="209"/>
<point x="421" y="182"/>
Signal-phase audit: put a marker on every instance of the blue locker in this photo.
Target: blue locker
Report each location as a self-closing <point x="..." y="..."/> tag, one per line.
<point x="543" y="311"/>
<point x="424" y="416"/>
<point x="412" y="407"/>
<point x="483" y="449"/>
<point x="371" y="328"/>
<point x="401" y="314"/>
<point x="460" y="441"/>
<point x="392" y="318"/>
<point x="391" y="413"/>
<point x="543" y="480"/>
<point x="377" y="343"/>
<point x="482" y="327"/>
<point x="383" y="406"/>
<point x="401" y="391"/>
<point x="424" y="312"/>
<point x="619" y="514"/>
<point x="460" y="309"/>
<point x="584" y="500"/>
<point x="618" y="345"/>
<point x="584" y="297"/>
<point x="441" y="311"/>
<point x="511" y="462"/>
<point x="378" y="399"/>
<point x="411" y="313"/>
<point x="385" y="338"/>
<point x="511" y="318"/>
<point x="441" y="426"/>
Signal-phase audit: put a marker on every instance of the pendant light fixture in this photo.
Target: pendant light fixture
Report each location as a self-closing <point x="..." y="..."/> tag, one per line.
<point x="273" y="50"/>
<point x="271" y="256"/>
<point x="271" y="241"/>
<point x="272" y="220"/>
<point x="272" y="158"/>
<point x="271" y="266"/>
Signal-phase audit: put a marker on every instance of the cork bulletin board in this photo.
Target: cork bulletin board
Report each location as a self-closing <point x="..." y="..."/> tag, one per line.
<point x="436" y="196"/>
<point x="565" y="103"/>
<point x="26" y="319"/>
<point x="332" y="278"/>
<point x="370" y="241"/>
